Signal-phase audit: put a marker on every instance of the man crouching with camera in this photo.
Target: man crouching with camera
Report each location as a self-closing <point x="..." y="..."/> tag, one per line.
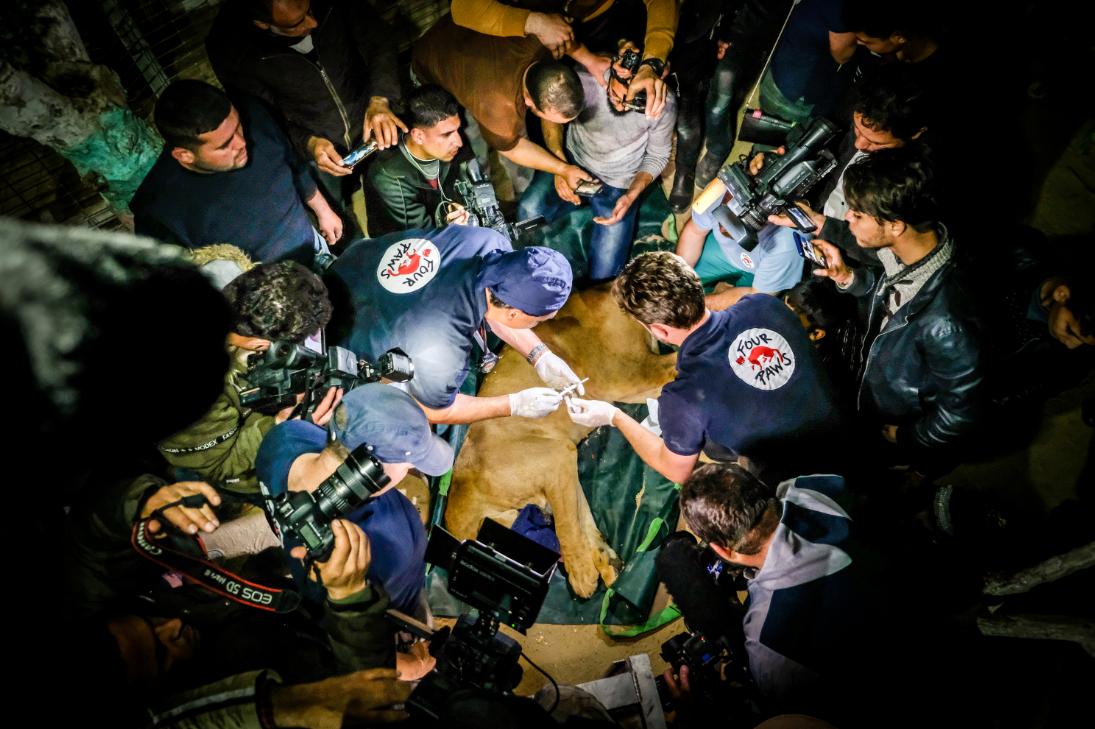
<point x="812" y="596"/>
<point x="377" y="435"/>
<point x="281" y="301"/>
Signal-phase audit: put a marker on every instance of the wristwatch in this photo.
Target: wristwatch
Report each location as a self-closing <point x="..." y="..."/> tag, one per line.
<point x="535" y="352"/>
<point x="657" y="65"/>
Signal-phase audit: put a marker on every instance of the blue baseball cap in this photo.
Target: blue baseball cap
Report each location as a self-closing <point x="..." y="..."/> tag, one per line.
<point x="394" y="427"/>
<point x="535" y="280"/>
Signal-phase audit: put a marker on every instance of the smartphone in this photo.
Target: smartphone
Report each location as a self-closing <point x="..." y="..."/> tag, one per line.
<point x="638" y="103"/>
<point x="806" y="249"/>
<point x="589" y="189"/>
<point x="359" y="154"/>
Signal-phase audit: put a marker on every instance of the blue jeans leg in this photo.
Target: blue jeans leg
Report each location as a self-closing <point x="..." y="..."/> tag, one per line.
<point x="610" y="245"/>
<point x="540" y="198"/>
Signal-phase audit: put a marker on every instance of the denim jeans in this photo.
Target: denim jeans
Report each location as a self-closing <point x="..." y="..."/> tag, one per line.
<point x="609" y="245"/>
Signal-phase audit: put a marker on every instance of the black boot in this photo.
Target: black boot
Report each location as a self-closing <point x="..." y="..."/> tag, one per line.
<point x="681" y="196"/>
<point x="707" y="168"/>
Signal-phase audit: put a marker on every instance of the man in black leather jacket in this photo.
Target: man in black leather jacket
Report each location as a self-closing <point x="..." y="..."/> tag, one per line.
<point x="922" y="377"/>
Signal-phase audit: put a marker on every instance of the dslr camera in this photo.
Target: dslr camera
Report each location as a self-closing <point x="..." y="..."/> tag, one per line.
<point x="782" y="180"/>
<point x="630" y="60"/>
<point x="504" y="576"/>
<point x="482" y="204"/>
<point x="308" y="514"/>
<point x="286" y="370"/>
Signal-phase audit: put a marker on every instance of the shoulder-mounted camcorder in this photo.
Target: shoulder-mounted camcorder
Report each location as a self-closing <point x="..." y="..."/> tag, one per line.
<point x="783" y="179"/>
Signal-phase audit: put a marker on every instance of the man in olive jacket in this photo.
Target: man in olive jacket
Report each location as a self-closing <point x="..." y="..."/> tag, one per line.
<point x="276" y="301"/>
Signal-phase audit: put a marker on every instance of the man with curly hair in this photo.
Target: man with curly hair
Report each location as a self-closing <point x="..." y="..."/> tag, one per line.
<point x="270" y="302"/>
<point x="748" y="382"/>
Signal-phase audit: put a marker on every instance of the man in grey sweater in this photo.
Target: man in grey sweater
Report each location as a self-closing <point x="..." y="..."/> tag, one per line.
<point x="622" y="147"/>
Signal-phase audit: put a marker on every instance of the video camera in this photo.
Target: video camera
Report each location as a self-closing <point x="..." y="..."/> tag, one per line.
<point x="783" y="179"/>
<point x="286" y="370"/>
<point x="504" y="576"/>
<point x="705" y="589"/>
<point x="482" y="204"/>
<point x="308" y="514"/>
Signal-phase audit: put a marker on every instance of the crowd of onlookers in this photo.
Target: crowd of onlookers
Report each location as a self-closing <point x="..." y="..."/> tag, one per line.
<point x="823" y="375"/>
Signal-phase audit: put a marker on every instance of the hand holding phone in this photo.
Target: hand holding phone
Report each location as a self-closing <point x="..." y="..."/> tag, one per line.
<point x="359" y="154"/>
<point x="587" y="188"/>
<point x="806" y="249"/>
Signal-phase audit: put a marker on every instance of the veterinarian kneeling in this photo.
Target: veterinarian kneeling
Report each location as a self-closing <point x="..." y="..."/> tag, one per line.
<point x="749" y="382"/>
<point x="434" y="293"/>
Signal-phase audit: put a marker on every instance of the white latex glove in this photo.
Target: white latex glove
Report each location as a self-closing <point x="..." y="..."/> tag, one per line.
<point x="535" y="402"/>
<point x="591" y="413"/>
<point x="555" y="372"/>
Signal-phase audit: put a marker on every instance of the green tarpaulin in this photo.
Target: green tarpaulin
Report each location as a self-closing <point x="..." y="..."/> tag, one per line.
<point x="634" y="506"/>
<point x="630" y="502"/>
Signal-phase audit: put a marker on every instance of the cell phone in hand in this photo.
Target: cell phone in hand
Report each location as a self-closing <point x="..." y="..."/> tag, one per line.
<point x="359" y="154"/>
<point x="805" y="246"/>
<point x="587" y="188"/>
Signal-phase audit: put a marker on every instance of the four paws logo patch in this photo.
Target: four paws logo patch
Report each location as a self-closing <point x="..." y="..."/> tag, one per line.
<point x="408" y="265"/>
<point x="762" y="358"/>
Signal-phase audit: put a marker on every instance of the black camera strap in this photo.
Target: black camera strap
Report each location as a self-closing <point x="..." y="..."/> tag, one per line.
<point x="186" y="555"/>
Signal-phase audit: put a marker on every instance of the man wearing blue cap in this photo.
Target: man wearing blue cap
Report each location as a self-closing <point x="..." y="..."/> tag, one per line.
<point x="435" y="293"/>
<point x="296" y="456"/>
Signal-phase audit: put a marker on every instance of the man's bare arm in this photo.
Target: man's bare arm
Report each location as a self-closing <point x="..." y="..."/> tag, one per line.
<point x="468" y="409"/>
<point x="532" y="155"/>
<point x="651" y="448"/>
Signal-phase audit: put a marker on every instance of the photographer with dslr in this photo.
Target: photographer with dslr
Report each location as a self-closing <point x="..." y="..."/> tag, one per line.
<point x="812" y="600"/>
<point x="299" y="456"/>
<point x="623" y="148"/>
<point x="273" y="301"/>
<point x="172" y="644"/>
<point x="73" y="298"/>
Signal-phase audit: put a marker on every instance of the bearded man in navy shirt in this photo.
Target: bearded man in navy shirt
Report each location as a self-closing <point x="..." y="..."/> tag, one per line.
<point x="749" y="382"/>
